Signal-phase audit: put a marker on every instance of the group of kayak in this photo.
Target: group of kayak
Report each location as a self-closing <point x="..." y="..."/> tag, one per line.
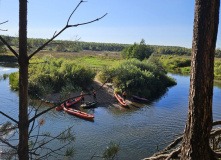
<point x="65" y="106"/>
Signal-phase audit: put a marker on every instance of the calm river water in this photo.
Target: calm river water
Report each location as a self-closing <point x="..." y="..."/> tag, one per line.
<point x="138" y="129"/>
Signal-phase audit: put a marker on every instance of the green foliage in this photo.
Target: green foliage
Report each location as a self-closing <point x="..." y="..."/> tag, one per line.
<point x="6" y="128"/>
<point x="142" y="78"/>
<point x="176" y="64"/>
<point x="69" y="152"/>
<point x="5" y="76"/>
<point x="172" y="50"/>
<point x="60" y="74"/>
<point x="111" y="151"/>
<point x="218" y="53"/>
<point x="97" y="62"/>
<point x="182" y="65"/>
<point x="139" y="51"/>
<point x="55" y="76"/>
<point x="69" y="46"/>
<point x="14" y="80"/>
<point x="2" y="48"/>
<point x="217" y="70"/>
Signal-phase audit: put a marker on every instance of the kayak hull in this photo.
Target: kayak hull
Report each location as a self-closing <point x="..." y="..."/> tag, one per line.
<point x="139" y="98"/>
<point x="78" y="113"/>
<point x="69" y="104"/>
<point x="120" y="100"/>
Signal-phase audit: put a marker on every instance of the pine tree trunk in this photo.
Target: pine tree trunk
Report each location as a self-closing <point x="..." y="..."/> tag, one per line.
<point x="199" y="122"/>
<point x="23" y="82"/>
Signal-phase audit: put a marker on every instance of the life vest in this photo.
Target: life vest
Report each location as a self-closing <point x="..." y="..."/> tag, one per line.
<point x="94" y="92"/>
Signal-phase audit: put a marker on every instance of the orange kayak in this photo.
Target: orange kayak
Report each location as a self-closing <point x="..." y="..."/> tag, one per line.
<point x="69" y="103"/>
<point x="120" y="100"/>
<point x="78" y="113"/>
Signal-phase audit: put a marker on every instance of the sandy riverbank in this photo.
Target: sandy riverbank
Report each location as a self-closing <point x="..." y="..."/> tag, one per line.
<point x="104" y="94"/>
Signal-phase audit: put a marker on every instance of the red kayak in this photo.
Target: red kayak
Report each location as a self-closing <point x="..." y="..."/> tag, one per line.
<point x="120" y="100"/>
<point x="78" y="113"/>
<point x="138" y="98"/>
<point x="69" y="103"/>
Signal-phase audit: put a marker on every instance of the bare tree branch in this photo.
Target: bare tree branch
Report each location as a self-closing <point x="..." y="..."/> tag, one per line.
<point x="3" y="22"/>
<point x="8" y="117"/>
<point x="53" y="138"/>
<point x="3" y="30"/>
<point x="87" y="22"/>
<point x="9" y="47"/>
<point x="52" y="151"/>
<point x="8" y="144"/>
<point x="74" y="11"/>
<point x="32" y="127"/>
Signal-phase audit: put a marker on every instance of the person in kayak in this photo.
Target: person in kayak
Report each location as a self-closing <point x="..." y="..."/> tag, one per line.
<point x="82" y="97"/>
<point x="125" y="95"/>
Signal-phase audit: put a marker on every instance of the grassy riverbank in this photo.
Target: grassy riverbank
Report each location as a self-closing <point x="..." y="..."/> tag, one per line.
<point x="182" y="64"/>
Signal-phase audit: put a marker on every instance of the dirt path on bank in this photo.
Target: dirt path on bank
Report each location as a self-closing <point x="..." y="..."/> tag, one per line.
<point x="104" y="94"/>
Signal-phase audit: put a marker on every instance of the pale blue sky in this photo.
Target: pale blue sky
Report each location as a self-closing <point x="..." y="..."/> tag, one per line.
<point x="159" y="22"/>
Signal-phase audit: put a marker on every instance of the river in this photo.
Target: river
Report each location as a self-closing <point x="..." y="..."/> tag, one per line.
<point x="138" y="130"/>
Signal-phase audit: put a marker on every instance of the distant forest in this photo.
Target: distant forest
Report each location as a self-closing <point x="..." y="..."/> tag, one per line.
<point x="126" y="50"/>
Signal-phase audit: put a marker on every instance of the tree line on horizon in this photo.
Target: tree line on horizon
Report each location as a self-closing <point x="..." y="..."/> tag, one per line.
<point x="128" y="50"/>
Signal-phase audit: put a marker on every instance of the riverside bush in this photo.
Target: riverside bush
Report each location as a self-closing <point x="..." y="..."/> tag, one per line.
<point x="141" y="78"/>
<point x="54" y="75"/>
<point x="13" y="80"/>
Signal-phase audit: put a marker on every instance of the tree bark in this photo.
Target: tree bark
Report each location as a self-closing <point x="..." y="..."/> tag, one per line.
<point x="199" y="122"/>
<point x="23" y="82"/>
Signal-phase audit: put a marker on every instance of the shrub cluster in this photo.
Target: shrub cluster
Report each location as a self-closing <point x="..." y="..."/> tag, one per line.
<point x="142" y="78"/>
<point x="55" y="75"/>
<point x="13" y="80"/>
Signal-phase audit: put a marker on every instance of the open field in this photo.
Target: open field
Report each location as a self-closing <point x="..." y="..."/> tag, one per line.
<point x="84" y="53"/>
<point x="95" y="59"/>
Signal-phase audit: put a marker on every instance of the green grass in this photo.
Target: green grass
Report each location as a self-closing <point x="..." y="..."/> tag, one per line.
<point x="95" y="59"/>
<point x="97" y="62"/>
